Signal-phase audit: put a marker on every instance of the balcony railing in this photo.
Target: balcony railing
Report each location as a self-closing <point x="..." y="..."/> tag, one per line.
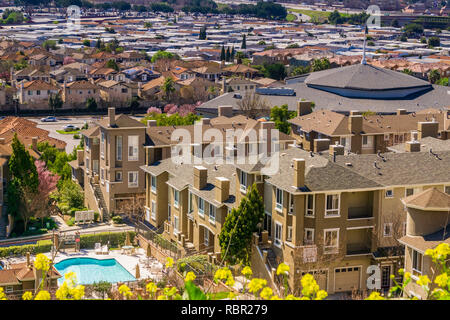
<point x="356" y="249"/>
<point x="360" y="212"/>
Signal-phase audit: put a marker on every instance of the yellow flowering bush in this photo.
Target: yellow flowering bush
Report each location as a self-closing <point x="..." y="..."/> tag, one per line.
<point x="151" y="288"/>
<point x="70" y="290"/>
<point x="256" y="284"/>
<point x="374" y="295"/>
<point x="190" y="276"/>
<point x="283" y="269"/>
<point x="43" y="295"/>
<point x="247" y="272"/>
<point x="266" y="293"/>
<point x="125" y="291"/>
<point x="27" y="296"/>
<point x="169" y="262"/>
<point x="224" y="274"/>
<point x="42" y="262"/>
<point x="2" y="294"/>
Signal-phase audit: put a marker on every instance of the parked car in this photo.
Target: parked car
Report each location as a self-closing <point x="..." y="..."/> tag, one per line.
<point x="49" y="119"/>
<point x="70" y="127"/>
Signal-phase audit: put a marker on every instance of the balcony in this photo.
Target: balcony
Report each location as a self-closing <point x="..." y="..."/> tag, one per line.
<point x="360" y="213"/>
<point x="357" y="249"/>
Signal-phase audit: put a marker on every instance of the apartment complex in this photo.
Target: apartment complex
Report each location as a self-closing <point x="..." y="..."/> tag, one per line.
<point x="365" y="134"/>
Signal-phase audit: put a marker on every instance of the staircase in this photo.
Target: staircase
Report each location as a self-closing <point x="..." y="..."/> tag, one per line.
<point x="189" y="249"/>
<point x="101" y="202"/>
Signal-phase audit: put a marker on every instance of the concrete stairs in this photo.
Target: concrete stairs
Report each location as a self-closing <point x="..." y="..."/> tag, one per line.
<point x="3" y="223"/>
<point x="101" y="202"/>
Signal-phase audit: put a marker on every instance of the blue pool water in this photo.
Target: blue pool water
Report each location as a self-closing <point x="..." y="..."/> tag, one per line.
<point x="90" y="270"/>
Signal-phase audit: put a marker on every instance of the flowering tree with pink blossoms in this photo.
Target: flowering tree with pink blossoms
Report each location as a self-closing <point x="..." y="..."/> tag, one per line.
<point x="154" y="110"/>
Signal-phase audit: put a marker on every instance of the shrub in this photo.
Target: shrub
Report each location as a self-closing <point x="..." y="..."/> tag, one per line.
<point x="76" y="136"/>
<point x="117" y="219"/>
<point x="40" y="247"/>
<point x="96" y="216"/>
<point x="71" y="222"/>
<point x="88" y="241"/>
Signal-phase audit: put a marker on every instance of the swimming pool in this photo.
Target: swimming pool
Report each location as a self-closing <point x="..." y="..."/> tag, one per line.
<point x="90" y="270"/>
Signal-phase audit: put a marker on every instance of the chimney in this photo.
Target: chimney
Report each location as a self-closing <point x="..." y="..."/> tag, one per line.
<point x="2" y="140"/>
<point x="401" y="111"/>
<point x="413" y="145"/>
<point x="299" y="173"/>
<point x="303" y="107"/>
<point x="226" y="111"/>
<point x="321" y="145"/>
<point x="205" y="121"/>
<point x="34" y="142"/>
<point x="200" y="177"/>
<point x="355" y="123"/>
<point x="428" y="129"/>
<point x="339" y="149"/>
<point x="355" y="113"/>
<point x="151" y="123"/>
<point x="265" y="136"/>
<point x="80" y="157"/>
<point x="222" y="189"/>
<point x="112" y="116"/>
<point x="28" y="260"/>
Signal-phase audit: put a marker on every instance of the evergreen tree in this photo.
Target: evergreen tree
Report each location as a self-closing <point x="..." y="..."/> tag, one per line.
<point x="222" y="54"/>
<point x="21" y="165"/>
<point x="233" y="53"/>
<point x="244" y="42"/>
<point x="227" y="55"/>
<point x="236" y="235"/>
<point x="202" y="34"/>
<point x="281" y="115"/>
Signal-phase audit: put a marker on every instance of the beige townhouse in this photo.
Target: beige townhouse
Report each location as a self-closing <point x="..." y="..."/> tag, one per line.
<point x="113" y="154"/>
<point x="36" y="92"/>
<point x="427" y="226"/>
<point x="112" y="91"/>
<point x="77" y="92"/>
<point x="364" y="134"/>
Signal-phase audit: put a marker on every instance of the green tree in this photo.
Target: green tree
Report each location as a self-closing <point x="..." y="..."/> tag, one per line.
<point x="320" y="64"/>
<point x="434" y="76"/>
<point x="162" y="55"/>
<point x="86" y="43"/>
<point x="202" y="34"/>
<point x="434" y="42"/>
<point x="275" y="71"/>
<point x="133" y="104"/>
<point x="112" y="64"/>
<point x="168" y="88"/>
<point x="281" y="115"/>
<point x="55" y="102"/>
<point x="395" y="23"/>
<point x="21" y="165"/>
<point x="227" y="55"/>
<point x="244" y="42"/>
<point x="235" y="237"/>
<point x="407" y="71"/>
<point x="222" y="54"/>
<point x="412" y="30"/>
<point x="91" y="104"/>
<point x="49" y="44"/>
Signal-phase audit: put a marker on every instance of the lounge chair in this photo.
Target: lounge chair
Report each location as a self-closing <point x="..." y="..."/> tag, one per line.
<point x="105" y="249"/>
<point x="98" y="248"/>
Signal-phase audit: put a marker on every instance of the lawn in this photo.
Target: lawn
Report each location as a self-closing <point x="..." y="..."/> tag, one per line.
<point x="68" y="132"/>
<point x="316" y="15"/>
<point x="290" y="17"/>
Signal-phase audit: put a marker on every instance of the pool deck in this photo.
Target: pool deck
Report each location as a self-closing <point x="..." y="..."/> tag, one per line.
<point x="149" y="268"/>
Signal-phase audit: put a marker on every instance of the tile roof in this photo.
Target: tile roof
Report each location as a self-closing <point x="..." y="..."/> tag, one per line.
<point x="430" y="199"/>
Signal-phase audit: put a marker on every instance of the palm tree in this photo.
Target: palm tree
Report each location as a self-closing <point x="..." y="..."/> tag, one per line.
<point x="168" y="88"/>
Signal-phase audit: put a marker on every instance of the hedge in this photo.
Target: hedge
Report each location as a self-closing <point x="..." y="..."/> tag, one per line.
<point x="40" y="247"/>
<point x="88" y="241"/>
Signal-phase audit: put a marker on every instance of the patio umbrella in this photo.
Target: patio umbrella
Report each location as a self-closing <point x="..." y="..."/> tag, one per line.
<point x="138" y="272"/>
<point x="149" y="251"/>
<point x="127" y="240"/>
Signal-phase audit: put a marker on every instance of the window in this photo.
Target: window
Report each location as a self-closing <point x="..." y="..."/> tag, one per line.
<point x="38" y="92"/>
<point x="387" y="230"/>
<point x="9" y="289"/>
<point x="212" y="214"/>
<point x="416" y="262"/>
<point x="201" y="206"/>
<point x="367" y="141"/>
<point x="447" y="189"/>
<point x="309" y="236"/>
<point x="133" y="151"/>
<point x="102" y="144"/>
<point x="95" y="165"/>
<point x="279" y="203"/>
<point x="176" y="198"/>
<point x="102" y="175"/>
<point x="331" y="241"/>
<point x="409" y="192"/>
<point x="87" y="164"/>
<point x="309" y="205"/>
<point x="169" y="213"/>
<point x="389" y="194"/>
<point x="206" y="238"/>
<point x="291" y="204"/>
<point x="119" y="148"/>
<point x="153" y="210"/>
<point x="289" y="233"/>
<point x="332" y="205"/>
<point x="268" y="223"/>
<point x="132" y="179"/>
<point x="176" y="224"/>
<point x="278" y="229"/>
<point x="153" y="183"/>
<point x="190" y="206"/>
<point x="243" y="181"/>
<point x="118" y="176"/>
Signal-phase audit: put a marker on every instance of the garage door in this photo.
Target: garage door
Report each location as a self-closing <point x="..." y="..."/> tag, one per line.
<point x="320" y="276"/>
<point x="346" y="279"/>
